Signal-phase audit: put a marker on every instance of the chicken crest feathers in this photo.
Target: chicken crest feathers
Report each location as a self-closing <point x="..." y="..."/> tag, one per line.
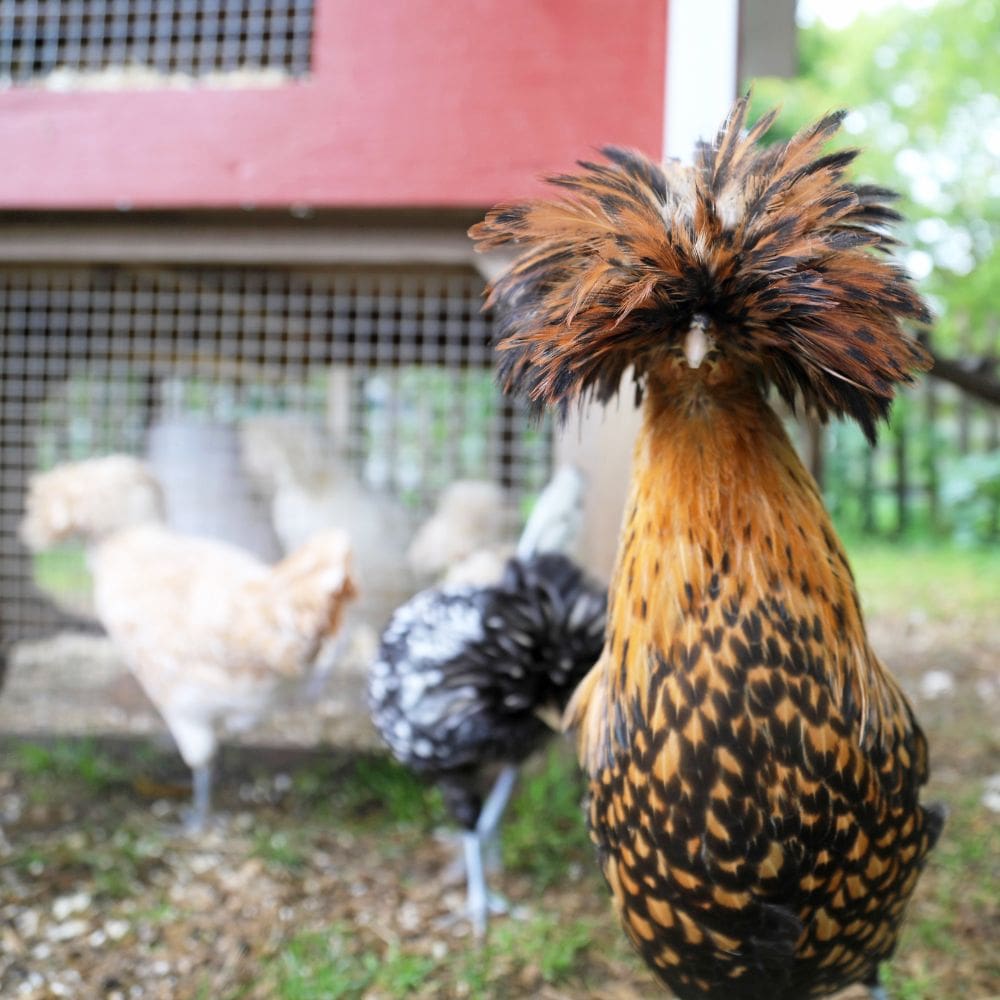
<point x="771" y="243"/>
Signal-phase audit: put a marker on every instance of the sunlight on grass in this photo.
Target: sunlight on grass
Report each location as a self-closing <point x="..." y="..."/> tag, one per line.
<point x="941" y="581"/>
<point x="63" y="760"/>
<point x="544" y="832"/>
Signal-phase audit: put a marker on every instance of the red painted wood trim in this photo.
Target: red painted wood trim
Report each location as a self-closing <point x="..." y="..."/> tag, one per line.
<point x="411" y="103"/>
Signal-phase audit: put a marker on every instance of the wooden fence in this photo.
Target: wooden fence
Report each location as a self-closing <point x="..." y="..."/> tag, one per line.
<point x="934" y="471"/>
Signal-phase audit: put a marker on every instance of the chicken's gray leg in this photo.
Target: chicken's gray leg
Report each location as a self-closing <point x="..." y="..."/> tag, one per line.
<point x="475" y="882"/>
<point x="488" y="824"/>
<point x="876" y="990"/>
<point x="201" y="799"/>
<point x="488" y="829"/>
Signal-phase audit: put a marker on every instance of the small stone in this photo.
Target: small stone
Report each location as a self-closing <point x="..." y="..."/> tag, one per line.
<point x="244" y="822"/>
<point x="27" y="923"/>
<point x="97" y="938"/>
<point x="68" y="930"/>
<point x="201" y="864"/>
<point x="66" y="906"/>
<point x="409" y="917"/>
<point x="116" y="929"/>
<point x="991" y="793"/>
<point x="936" y="683"/>
<point x="12" y="944"/>
<point x="986" y="689"/>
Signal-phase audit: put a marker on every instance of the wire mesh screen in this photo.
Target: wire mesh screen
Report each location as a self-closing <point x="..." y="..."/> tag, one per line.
<point x="268" y="402"/>
<point x="189" y="37"/>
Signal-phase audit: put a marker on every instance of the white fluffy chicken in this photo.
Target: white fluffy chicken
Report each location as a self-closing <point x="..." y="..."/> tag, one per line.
<point x="464" y="540"/>
<point x="312" y="488"/>
<point x="209" y="631"/>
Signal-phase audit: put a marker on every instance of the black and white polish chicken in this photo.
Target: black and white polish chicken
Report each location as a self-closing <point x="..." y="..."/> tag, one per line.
<point x="465" y="675"/>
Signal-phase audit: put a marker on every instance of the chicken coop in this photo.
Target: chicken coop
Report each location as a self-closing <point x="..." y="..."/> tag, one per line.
<point x="233" y="244"/>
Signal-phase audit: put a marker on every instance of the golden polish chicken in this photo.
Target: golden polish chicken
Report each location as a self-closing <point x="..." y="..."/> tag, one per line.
<point x="209" y="631"/>
<point x="754" y="768"/>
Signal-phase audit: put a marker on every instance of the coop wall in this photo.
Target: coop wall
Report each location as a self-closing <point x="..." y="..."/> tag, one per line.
<point x="266" y="398"/>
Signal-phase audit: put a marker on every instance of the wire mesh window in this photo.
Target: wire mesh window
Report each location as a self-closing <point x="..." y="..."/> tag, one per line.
<point x="252" y="392"/>
<point x="189" y="37"/>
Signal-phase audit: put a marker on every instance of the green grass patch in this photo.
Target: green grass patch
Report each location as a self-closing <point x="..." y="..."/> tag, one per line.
<point x="544" y="832"/>
<point x="71" y="760"/>
<point x="63" y="571"/>
<point x="332" y="966"/>
<point x="939" y="580"/>
<point x="375" y="790"/>
<point x="553" y="945"/>
<point x="338" y="965"/>
<point x="280" y="849"/>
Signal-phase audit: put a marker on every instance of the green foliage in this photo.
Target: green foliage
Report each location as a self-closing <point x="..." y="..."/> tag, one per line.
<point x="376" y="789"/>
<point x="332" y="966"/>
<point x="922" y="87"/>
<point x="544" y="941"/>
<point x="74" y="760"/>
<point x="280" y="849"/>
<point x="63" y="572"/>
<point x="971" y="495"/>
<point x="319" y="966"/>
<point x="337" y="964"/>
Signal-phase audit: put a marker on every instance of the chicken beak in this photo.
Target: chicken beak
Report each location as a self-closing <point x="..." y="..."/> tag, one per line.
<point x="697" y="343"/>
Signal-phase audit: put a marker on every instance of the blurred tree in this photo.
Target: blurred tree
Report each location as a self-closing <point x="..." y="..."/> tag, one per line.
<point x="923" y="89"/>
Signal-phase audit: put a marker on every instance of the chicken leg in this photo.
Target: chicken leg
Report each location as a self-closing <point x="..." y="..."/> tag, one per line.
<point x="480" y="901"/>
<point x="201" y="799"/>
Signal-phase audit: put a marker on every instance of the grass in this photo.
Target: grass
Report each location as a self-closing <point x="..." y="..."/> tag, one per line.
<point x="335" y="964"/>
<point x="369" y="789"/>
<point x="71" y="760"/>
<point x="280" y="848"/>
<point x="939" y="580"/>
<point x="329" y="966"/>
<point x="543" y="835"/>
<point x="569" y="943"/>
<point x="63" y="571"/>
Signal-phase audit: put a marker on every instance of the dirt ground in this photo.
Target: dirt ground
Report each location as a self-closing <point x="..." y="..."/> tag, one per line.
<point x="322" y="877"/>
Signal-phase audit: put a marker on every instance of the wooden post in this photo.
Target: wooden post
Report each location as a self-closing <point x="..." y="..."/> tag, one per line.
<point x="902" y="478"/>
<point x="600" y="444"/>
<point x="815" y="445"/>
<point x="964" y="401"/>
<point x="868" y="491"/>
<point x="930" y="443"/>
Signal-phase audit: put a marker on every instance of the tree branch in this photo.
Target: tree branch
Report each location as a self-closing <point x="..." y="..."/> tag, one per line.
<point x="975" y="376"/>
